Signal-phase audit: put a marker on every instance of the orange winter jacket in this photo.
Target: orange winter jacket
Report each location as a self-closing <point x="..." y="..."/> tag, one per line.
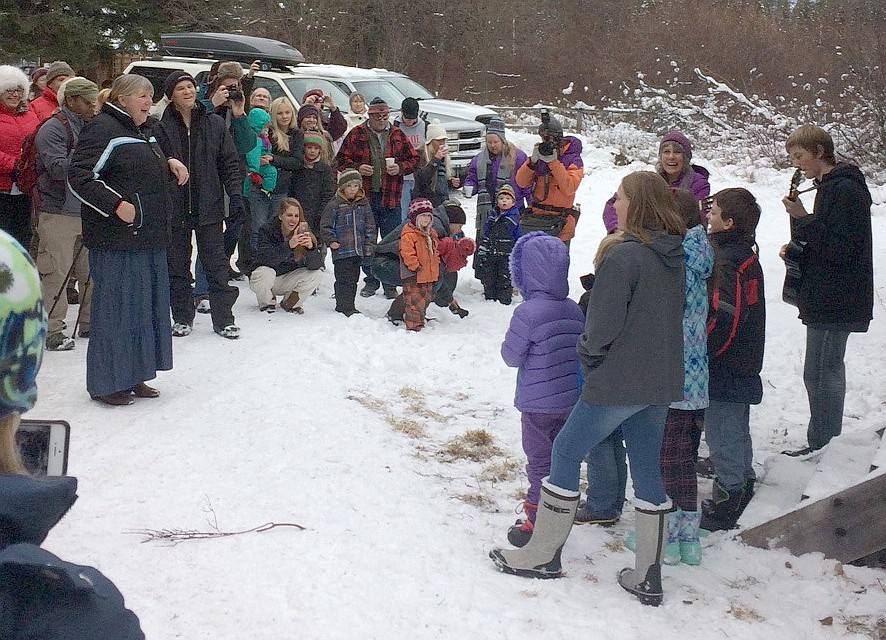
<point x="417" y="256"/>
<point x="556" y="188"/>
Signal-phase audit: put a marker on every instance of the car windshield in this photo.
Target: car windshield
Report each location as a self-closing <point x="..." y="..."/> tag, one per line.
<point x="300" y="86"/>
<point x="409" y="87"/>
<point x="380" y="89"/>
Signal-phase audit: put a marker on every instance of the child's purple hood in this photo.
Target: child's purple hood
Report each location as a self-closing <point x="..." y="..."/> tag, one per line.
<point x="540" y="266"/>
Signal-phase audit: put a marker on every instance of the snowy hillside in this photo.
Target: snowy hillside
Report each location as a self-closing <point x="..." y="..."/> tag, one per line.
<point x="376" y="440"/>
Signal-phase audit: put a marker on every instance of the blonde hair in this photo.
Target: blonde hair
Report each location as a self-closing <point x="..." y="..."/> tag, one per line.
<point x="810" y="138"/>
<point x="652" y="209"/>
<point x="102" y="98"/>
<point x="428" y="156"/>
<point x="605" y="245"/>
<point x="129" y="84"/>
<point x="280" y="138"/>
<point x="10" y="461"/>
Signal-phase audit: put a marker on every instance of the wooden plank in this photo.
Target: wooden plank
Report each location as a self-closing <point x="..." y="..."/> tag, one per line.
<point x="845" y="526"/>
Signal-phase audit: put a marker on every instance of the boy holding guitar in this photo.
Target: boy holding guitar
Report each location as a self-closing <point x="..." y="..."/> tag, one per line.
<point x="832" y="247"/>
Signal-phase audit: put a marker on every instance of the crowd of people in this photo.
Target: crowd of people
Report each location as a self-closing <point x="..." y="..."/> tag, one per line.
<point x="666" y="343"/>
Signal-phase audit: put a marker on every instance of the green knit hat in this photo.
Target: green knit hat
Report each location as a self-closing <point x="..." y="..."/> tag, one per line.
<point x="349" y="175"/>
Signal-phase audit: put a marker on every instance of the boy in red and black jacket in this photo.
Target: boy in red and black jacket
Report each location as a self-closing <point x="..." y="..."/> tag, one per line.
<point x="736" y="335"/>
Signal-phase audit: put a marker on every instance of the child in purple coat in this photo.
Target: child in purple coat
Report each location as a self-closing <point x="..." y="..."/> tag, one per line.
<point x="541" y="343"/>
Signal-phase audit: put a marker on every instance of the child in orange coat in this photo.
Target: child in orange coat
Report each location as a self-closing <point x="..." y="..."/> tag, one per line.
<point x="419" y="262"/>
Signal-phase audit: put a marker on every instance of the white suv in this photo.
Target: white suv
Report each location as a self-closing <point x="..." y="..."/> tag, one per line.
<point x="465" y="124"/>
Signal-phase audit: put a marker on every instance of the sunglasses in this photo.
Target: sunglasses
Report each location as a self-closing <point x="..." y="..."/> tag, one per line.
<point x="378" y="116"/>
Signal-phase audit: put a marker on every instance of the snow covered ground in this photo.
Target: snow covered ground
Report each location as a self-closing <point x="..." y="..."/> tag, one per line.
<point x="350" y="426"/>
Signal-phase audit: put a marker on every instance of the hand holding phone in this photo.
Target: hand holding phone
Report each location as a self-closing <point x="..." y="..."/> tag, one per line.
<point x="43" y="446"/>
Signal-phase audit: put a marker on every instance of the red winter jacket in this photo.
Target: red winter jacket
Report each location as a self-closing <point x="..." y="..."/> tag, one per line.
<point x="454" y="253"/>
<point x="14" y="126"/>
<point x="43" y="106"/>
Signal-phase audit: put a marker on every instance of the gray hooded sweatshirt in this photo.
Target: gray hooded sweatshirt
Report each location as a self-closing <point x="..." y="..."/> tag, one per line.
<point x="631" y="351"/>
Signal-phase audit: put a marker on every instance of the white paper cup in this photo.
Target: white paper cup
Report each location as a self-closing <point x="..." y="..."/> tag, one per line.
<point x="468" y="190"/>
<point x="390" y="161"/>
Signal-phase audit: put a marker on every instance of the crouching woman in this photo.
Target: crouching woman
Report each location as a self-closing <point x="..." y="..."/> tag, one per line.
<point x="287" y="261"/>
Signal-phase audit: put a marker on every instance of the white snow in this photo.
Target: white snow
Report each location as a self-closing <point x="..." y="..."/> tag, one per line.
<point x="297" y="421"/>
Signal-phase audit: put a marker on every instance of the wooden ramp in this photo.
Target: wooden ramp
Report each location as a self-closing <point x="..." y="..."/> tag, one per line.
<point x="842" y="512"/>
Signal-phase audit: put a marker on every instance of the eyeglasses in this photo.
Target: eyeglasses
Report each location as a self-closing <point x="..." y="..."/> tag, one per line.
<point x="12" y="92"/>
<point x="378" y="116"/>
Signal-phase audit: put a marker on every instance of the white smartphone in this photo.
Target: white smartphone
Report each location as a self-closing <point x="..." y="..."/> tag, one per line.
<point x="43" y="445"/>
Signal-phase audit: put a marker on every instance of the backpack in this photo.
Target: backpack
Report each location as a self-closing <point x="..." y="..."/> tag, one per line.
<point x="28" y="174"/>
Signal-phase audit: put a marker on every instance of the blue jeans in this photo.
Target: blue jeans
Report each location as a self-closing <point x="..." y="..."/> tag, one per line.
<point x="259" y="213"/>
<point x="607" y="476"/>
<point x="406" y="198"/>
<point x="588" y="425"/>
<point x="824" y="374"/>
<point x="386" y="220"/>
<point x="728" y="434"/>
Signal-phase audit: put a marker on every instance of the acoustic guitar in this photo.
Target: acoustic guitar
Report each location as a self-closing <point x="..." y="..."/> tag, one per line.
<point x="793" y="274"/>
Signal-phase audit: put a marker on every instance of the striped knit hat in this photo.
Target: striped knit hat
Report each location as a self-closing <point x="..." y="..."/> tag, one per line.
<point x="418" y="207"/>
<point x="312" y="137"/>
<point x="349" y="175"/>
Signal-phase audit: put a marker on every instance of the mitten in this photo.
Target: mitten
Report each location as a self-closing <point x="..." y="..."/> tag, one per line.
<point x="255" y="178"/>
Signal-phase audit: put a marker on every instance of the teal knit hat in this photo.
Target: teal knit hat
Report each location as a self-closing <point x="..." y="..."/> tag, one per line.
<point x="22" y="327"/>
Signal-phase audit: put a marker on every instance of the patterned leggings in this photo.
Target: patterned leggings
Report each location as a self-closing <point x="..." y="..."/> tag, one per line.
<point x="416" y="298"/>
<point x="678" y="451"/>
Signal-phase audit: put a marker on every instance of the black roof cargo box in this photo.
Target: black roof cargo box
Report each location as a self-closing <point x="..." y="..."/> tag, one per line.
<point x="228" y="46"/>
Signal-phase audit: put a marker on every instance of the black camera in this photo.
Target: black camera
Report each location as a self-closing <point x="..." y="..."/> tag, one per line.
<point x="546" y="148"/>
<point x="545" y="116"/>
<point x="235" y="94"/>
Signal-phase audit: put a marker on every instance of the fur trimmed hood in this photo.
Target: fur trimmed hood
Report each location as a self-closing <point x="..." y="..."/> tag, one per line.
<point x="12" y="77"/>
<point x="540" y="266"/>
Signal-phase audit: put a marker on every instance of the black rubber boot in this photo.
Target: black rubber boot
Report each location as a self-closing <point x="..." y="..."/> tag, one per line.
<point x="722" y="511"/>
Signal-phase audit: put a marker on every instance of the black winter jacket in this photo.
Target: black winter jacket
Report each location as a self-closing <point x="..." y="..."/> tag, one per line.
<point x="313" y="187"/>
<point x="736" y="322"/>
<point x="837" y="286"/>
<point x="114" y="161"/>
<point x="272" y="250"/>
<point x="208" y="151"/>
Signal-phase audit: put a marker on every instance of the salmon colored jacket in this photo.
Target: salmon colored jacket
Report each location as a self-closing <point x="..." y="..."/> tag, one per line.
<point x="555" y="185"/>
<point x="416" y="256"/>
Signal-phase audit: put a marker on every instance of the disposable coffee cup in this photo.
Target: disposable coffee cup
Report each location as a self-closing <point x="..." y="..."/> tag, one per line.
<point x="468" y="190"/>
<point x="390" y="161"/>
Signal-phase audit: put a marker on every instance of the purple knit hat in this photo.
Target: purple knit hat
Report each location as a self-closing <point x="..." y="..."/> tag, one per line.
<point x="680" y="139"/>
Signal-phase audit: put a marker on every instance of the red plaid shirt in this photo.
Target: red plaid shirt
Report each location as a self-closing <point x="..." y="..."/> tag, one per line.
<point x="355" y="150"/>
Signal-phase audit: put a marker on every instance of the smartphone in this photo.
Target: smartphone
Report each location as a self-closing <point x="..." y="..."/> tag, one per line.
<point x="43" y="445"/>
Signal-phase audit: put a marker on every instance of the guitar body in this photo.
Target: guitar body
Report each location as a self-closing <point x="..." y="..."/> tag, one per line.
<point x="790" y="291"/>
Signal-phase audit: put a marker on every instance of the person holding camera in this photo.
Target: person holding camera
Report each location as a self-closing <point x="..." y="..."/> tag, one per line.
<point x="200" y="140"/>
<point x="553" y="172"/>
<point x="331" y="117"/>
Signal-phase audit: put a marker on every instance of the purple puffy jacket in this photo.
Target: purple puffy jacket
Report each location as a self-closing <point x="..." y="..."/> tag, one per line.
<point x="543" y="334"/>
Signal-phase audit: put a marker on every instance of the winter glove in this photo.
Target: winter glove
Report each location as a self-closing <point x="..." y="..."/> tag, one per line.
<point x="536" y="156"/>
<point x="546" y="158"/>
<point x="255" y="178"/>
<point x="236" y="208"/>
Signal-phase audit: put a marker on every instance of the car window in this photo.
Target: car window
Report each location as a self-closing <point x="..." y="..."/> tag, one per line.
<point x="300" y="86"/>
<point x="157" y="76"/>
<point x="271" y="84"/>
<point x="380" y="89"/>
<point x="409" y="87"/>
